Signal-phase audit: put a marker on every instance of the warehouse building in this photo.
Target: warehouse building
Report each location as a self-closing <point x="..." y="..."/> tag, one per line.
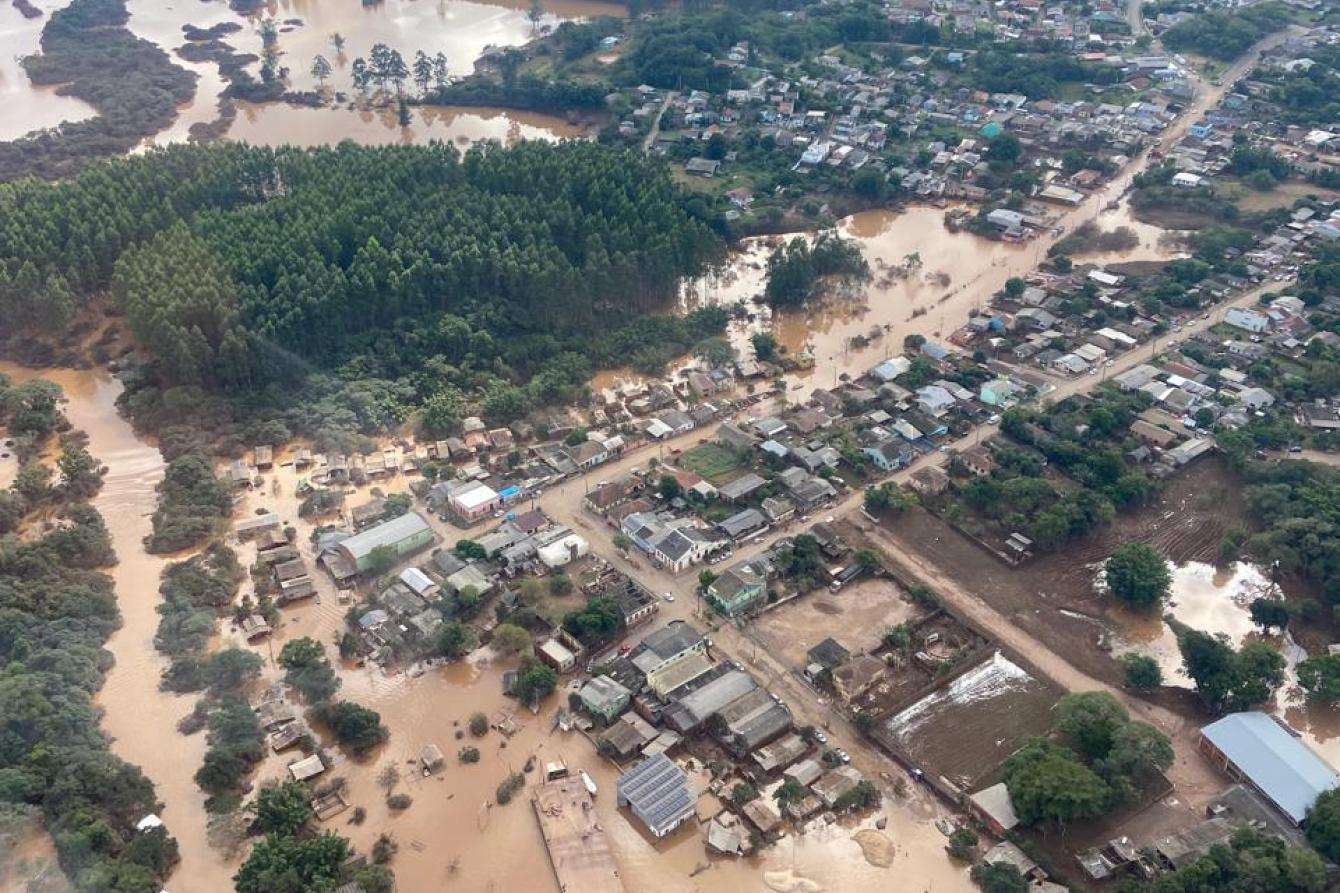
<point x="1254" y="748"/>
<point x="404" y="535"/>
<point x="657" y="792"/>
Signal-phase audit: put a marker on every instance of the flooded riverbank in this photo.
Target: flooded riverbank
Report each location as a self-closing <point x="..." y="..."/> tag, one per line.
<point x="141" y="719"/>
<point x="28" y="107"/>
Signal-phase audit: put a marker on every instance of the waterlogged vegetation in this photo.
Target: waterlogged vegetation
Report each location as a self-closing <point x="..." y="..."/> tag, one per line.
<point x="372" y="280"/>
<point x="135" y="87"/>
<point x="57" y="609"/>
<point x="1226" y="34"/>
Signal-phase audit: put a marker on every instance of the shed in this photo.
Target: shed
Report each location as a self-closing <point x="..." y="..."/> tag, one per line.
<point x="1255" y="748"/>
<point x="657" y="792"/>
<point x="307" y="767"/>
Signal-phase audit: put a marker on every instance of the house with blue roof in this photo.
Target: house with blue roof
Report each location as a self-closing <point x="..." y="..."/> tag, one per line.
<point x="1258" y="750"/>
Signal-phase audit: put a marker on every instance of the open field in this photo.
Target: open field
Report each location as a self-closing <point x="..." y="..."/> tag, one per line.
<point x="856" y="617"/>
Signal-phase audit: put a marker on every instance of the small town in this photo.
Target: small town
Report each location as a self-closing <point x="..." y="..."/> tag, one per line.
<point x="783" y="445"/>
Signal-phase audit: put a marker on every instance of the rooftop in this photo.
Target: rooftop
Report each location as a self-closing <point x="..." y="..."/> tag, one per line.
<point x="1277" y="763"/>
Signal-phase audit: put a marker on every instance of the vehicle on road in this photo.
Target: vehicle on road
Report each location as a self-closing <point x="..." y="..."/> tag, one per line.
<point x="668" y="596"/>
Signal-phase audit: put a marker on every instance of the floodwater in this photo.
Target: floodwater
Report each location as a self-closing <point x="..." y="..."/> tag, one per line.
<point x="458" y="28"/>
<point x="1204" y="597"/>
<point x="273" y="124"/>
<point x="28" y="107"/>
<point x="1156" y="243"/>
<point x="450" y="835"/>
<point x="140" y="718"/>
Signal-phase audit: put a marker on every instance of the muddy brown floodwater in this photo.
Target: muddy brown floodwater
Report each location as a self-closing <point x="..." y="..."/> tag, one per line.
<point x="139" y="717"/>
<point x="274" y="124"/>
<point x="450" y="836"/>
<point x="459" y="28"/>
<point x="28" y="107"/>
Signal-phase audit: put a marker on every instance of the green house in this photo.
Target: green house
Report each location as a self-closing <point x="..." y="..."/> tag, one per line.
<point x="739" y="589"/>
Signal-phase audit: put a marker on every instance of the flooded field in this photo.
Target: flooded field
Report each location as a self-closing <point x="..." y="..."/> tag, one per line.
<point x="28" y="107"/>
<point x="273" y="124"/>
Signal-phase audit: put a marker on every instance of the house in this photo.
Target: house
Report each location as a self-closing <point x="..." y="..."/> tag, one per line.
<point x="627" y="737"/>
<point x="998" y="392"/>
<point x="993" y="808"/>
<point x="930" y="481"/>
<point x="1247" y="320"/>
<point x="935" y="400"/>
<point x="1255" y="748"/>
<point x="978" y="460"/>
<point x="657" y="792"/>
<point x="743" y="524"/>
<point x="658" y="650"/>
<point x="473" y="501"/>
<point x="563" y="551"/>
<point x="739" y="589"/>
<point x="1256" y="398"/>
<point x="1153" y="435"/>
<point x="557" y="655"/>
<point x="703" y="167"/>
<point x="1187" y="180"/>
<point x="604" y="697"/>
<point x="742" y="487"/>
<point x="256" y="525"/>
<point x="832" y="785"/>
<point x="1135" y="379"/>
<point x="419" y="583"/>
<point x="749" y="722"/>
<point x="828" y="654"/>
<point x="367" y="514"/>
<point x="889" y="455"/>
<point x="853" y="678"/>
<point x="404" y="536"/>
<point x="780" y="753"/>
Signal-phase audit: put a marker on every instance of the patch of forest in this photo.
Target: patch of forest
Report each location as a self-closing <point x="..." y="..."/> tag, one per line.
<point x="380" y="277"/>
<point x="57" y="609"/>
<point x="136" y="88"/>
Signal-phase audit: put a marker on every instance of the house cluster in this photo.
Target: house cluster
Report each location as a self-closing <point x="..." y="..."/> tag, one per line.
<point x="670" y="695"/>
<point x="1250" y="110"/>
<point x="921" y="122"/>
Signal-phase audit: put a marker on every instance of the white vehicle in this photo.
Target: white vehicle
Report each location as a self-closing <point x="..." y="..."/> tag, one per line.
<point x="668" y="597"/>
<point x="842" y="755"/>
<point x="820" y="736"/>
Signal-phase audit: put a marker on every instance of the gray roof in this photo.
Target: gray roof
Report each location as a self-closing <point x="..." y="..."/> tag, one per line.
<point x="657" y="790"/>
<point x="743" y="522"/>
<point x="741" y="486"/>
<point x="694" y="708"/>
<point x="1278" y="764"/>
<point x="388" y="533"/>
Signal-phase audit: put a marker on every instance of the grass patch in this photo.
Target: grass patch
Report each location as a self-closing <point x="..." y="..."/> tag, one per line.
<point x="712" y="461"/>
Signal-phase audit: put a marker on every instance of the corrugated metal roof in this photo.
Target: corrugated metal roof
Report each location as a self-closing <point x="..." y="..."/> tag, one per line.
<point x="657" y="790"/>
<point x="388" y="533"/>
<point x="1280" y="765"/>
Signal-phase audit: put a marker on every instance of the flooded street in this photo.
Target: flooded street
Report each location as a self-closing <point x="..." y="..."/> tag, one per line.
<point x="28" y="107"/>
<point x="141" y="719"/>
<point x="273" y="124"/>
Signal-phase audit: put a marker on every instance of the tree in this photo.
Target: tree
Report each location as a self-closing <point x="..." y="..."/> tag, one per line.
<point x="999" y="877"/>
<point x="283" y="809"/>
<point x="1090" y="720"/>
<point x="560" y="585"/>
<point x="1136" y="751"/>
<point x="1320" y="676"/>
<point x="356" y="727"/>
<point x="337" y="41"/>
<point x="423" y="71"/>
<point x="1270" y="612"/>
<point x="509" y="63"/>
<point x="962" y="844"/>
<point x="743" y="792"/>
<point x="1014" y="286"/>
<point x="455" y="640"/>
<point x="308" y="669"/>
<point x="291" y="864"/>
<point x="80" y="475"/>
<point x="668" y="487"/>
<point x="1227" y="680"/>
<point x="1048" y="782"/>
<point x="1323" y="824"/>
<point x="508" y="638"/>
<point x="441" y="73"/>
<point x="534" y="681"/>
<point x="469" y="550"/>
<point x="381" y="559"/>
<point x="1138" y="576"/>
<point x="790" y="791"/>
<point x="1143" y="672"/>
<point x="765" y="346"/>
<point x="535" y="13"/>
<point x="321" y="69"/>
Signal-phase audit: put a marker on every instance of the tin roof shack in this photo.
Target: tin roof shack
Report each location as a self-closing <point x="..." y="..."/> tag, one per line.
<point x="749" y="722"/>
<point x="657" y="792"/>
<point x="307" y="767"/>
<point x="404" y="536"/>
<point x="556" y="655"/>
<point x="367" y="514"/>
<point x="256" y="525"/>
<point x="627" y="737"/>
<point x="994" y="808"/>
<point x="780" y="753"/>
<point x="1254" y="748"/>
<point x="832" y="785"/>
